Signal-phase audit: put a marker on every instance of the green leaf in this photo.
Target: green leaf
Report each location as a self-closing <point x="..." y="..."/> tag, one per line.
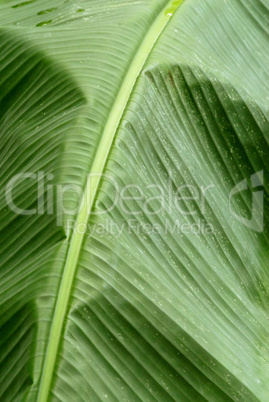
<point x="134" y="200"/>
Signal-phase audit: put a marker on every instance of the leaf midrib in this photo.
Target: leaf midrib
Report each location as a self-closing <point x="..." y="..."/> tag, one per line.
<point x="91" y="190"/>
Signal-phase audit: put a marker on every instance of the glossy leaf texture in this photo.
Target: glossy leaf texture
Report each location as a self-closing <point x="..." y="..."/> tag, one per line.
<point x="112" y="302"/>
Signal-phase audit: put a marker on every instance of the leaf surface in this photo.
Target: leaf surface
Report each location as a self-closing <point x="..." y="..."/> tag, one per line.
<point x="102" y="296"/>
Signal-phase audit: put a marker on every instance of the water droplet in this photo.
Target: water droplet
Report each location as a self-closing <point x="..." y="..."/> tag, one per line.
<point x="170" y="11"/>
<point x="49" y="10"/>
<point x="43" y="23"/>
<point x="24" y="3"/>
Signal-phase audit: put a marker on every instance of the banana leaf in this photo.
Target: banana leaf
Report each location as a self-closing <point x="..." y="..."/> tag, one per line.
<point x="134" y="200"/>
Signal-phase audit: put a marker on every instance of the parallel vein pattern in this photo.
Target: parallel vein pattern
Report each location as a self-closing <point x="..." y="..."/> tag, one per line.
<point x="138" y="307"/>
<point x="89" y="195"/>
